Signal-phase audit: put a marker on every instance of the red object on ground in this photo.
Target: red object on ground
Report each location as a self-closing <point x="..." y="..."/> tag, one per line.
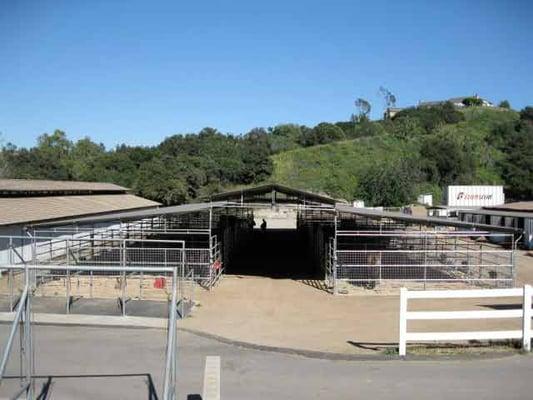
<point x="217" y="265"/>
<point x="160" y="283"/>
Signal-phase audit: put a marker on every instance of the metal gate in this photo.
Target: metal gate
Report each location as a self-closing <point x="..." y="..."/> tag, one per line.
<point x="330" y="264"/>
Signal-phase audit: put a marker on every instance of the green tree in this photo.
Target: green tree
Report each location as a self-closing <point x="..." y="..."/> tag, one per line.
<point x="4" y="165"/>
<point x="517" y="163"/>
<point x="363" y="110"/>
<point x="256" y="156"/>
<point x="158" y="181"/>
<point x="285" y="137"/>
<point x="86" y="164"/>
<point x="526" y="115"/>
<point x="472" y="101"/>
<point x="445" y="161"/>
<point x="390" y="185"/>
<point x="406" y="126"/>
<point x="325" y="133"/>
<point x="431" y="118"/>
<point x="50" y="159"/>
<point x="504" y="104"/>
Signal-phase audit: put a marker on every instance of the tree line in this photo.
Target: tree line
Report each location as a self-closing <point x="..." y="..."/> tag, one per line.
<point x="447" y="150"/>
<point x="185" y="167"/>
<point x="181" y="168"/>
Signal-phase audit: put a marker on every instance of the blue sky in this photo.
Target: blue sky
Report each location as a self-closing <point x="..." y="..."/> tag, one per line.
<point x="138" y="71"/>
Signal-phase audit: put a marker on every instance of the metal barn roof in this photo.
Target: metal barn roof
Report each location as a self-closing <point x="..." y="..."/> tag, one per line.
<point x="28" y="210"/>
<point x="260" y="193"/>
<point x="37" y="187"/>
<point x="376" y="214"/>
<point x="498" y="213"/>
<point x="138" y="214"/>
<point x="519" y="206"/>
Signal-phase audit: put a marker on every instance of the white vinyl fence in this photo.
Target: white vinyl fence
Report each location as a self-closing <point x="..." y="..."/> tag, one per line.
<point x="524" y="313"/>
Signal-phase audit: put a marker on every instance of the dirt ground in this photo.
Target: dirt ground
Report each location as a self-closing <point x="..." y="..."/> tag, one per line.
<point x="524" y="266"/>
<point x="301" y="314"/>
<point x="295" y="314"/>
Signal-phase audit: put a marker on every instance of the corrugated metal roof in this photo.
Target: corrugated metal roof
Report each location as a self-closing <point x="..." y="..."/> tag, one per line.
<point x="139" y="214"/>
<point x="26" y="210"/>
<point x="498" y="213"/>
<point x="235" y="195"/>
<point x="376" y="214"/>
<point x="526" y="206"/>
<point x="48" y="186"/>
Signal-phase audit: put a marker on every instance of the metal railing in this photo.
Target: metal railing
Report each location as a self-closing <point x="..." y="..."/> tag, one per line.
<point x="370" y="258"/>
<point x="106" y="252"/>
<point x="23" y="313"/>
<point x="216" y="267"/>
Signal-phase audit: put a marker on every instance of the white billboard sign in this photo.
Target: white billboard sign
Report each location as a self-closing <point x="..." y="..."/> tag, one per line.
<point x="474" y="196"/>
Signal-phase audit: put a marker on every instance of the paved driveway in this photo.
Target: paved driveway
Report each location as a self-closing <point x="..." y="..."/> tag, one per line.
<point x="252" y="374"/>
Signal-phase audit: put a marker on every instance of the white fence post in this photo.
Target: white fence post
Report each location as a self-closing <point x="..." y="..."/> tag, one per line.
<point x="526" y="319"/>
<point x="525" y="314"/>
<point x="403" y="322"/>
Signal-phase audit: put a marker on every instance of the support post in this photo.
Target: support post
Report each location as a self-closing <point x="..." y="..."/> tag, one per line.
<point x="480" y="260"/>
<point x="123" y="286"/>
<point x="169" y="388"/>
<point x="28" y="346"/>
<point x="335" y="291"/>
<point x="141" y="285"/>
<point x="526" y="321"/>
<point x="192" y="288"/>
<point x="402" y="343"/>
<point x="425" y="260"/>
<point x="67" y="306"/>
<point x="211" y="258"/>
<point x="513" y="260"/>
<point x="181" y="277"/>
<point x="11" y="275"/>
<point x="380" y="266"/>
<point x="91" y="285"/>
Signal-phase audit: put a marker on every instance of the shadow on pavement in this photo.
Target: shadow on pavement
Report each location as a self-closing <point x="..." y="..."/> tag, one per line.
<point x="375" y="346"/>
<point x="45" y="390"/>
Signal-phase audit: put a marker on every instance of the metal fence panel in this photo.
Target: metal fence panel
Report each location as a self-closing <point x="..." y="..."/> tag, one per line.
<point x="369" y="258"/>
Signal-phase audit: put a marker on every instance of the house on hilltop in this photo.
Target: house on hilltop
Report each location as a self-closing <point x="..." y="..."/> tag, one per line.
<point x="457" y="102"/>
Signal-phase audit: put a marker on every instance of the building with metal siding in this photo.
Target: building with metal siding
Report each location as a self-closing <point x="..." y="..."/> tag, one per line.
<point x="512" y="215"/>
<point x="25" y="202"/>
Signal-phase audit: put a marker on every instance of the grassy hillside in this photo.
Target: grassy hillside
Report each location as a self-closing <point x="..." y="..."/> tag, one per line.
<point x="336" y="168"/>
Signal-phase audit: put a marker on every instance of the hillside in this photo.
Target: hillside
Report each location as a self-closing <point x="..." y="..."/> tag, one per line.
<point x="383" y="162"/>
<point x="338" y="168"/>
<point x="335" y="168"/>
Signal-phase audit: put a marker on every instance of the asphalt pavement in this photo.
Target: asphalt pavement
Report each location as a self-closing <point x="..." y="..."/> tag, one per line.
<point x="118" y="363"/>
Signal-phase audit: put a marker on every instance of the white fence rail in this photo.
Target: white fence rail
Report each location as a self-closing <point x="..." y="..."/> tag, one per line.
<point x="524" y="313"/>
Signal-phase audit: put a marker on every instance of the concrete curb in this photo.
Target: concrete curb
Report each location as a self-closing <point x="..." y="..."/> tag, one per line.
<point x="320" y="355"/>
<point x="110" y="321"/>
